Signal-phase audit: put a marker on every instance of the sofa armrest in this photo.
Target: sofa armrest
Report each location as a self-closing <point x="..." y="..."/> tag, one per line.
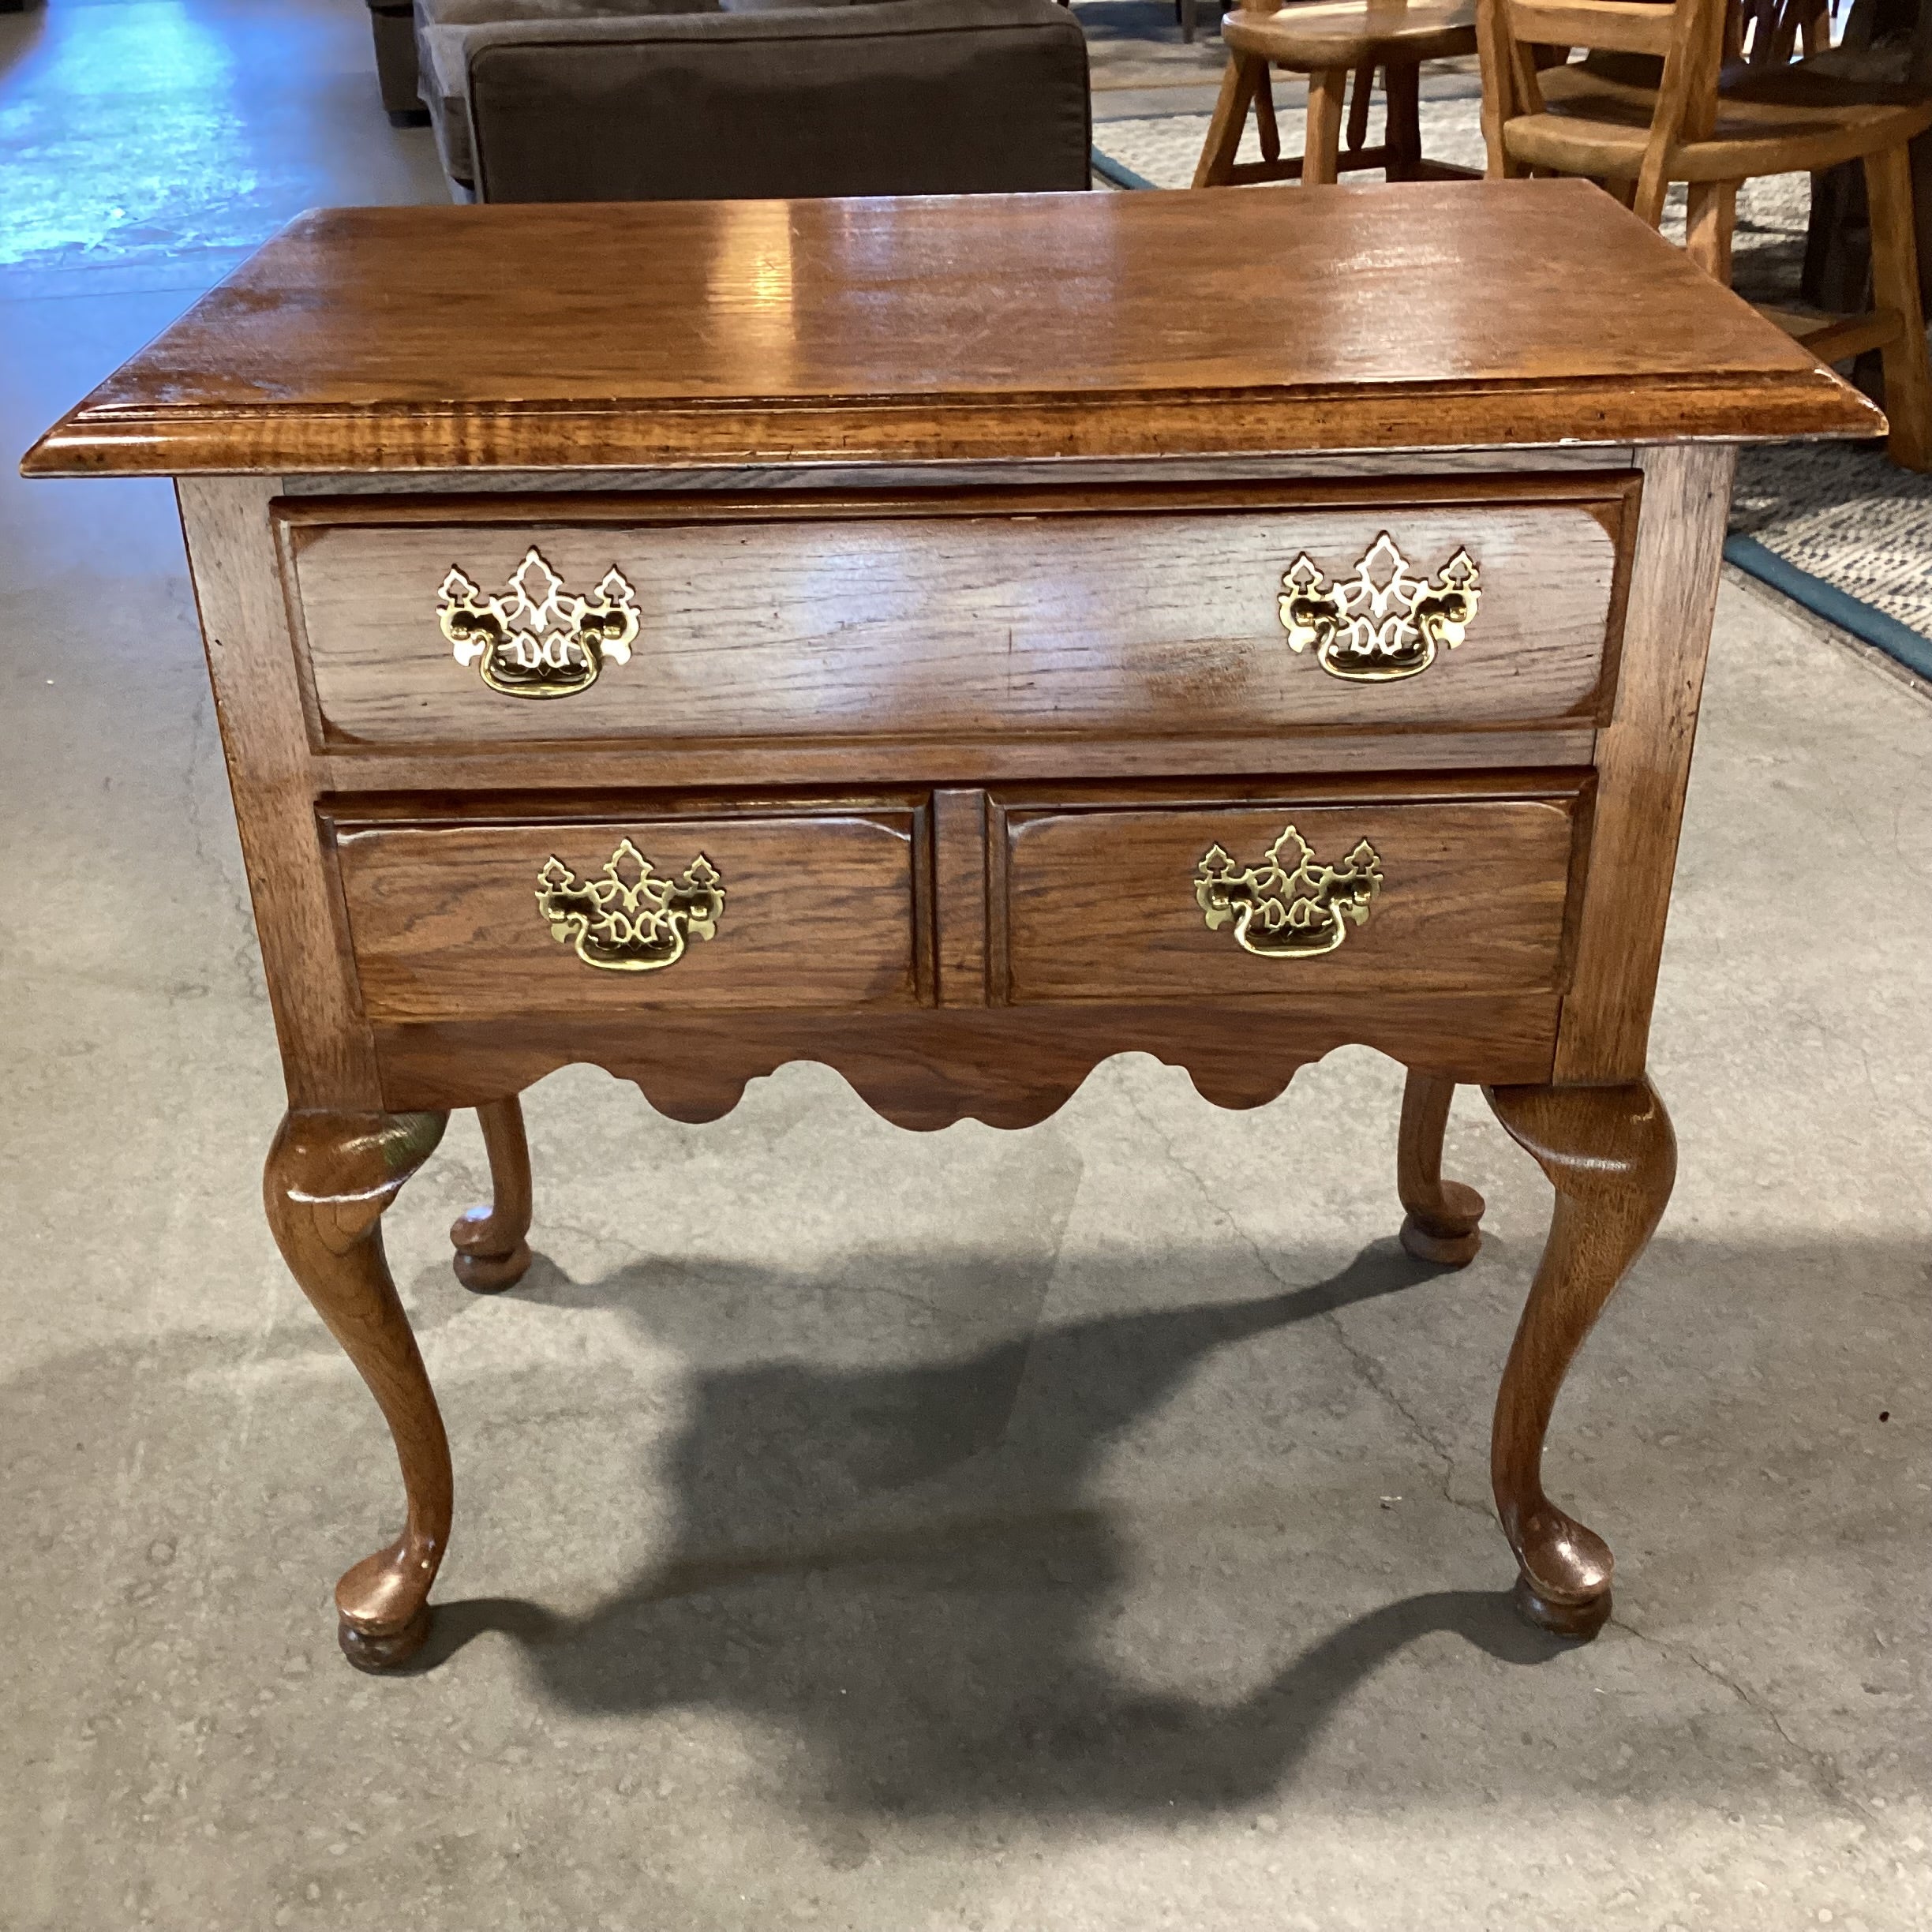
<point x="905" y="97"/>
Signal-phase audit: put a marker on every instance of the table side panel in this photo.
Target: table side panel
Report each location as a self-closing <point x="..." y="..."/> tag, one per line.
<point x="328" y="1055"/>
<point x="1643" y="763"/>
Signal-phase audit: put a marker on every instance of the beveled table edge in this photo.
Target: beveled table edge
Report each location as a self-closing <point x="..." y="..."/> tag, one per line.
<point x="94" y="439"/>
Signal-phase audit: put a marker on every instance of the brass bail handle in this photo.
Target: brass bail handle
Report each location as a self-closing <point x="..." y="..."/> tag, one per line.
<point x="1291" y="906"/>
<point x="626" y="919"/>
<point x="1383" y="622"/>
<point x="539" y="641"/>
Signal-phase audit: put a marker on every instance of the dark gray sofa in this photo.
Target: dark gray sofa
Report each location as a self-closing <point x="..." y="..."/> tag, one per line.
<point x="580" y="101"/>
<point x="393" y="23"/>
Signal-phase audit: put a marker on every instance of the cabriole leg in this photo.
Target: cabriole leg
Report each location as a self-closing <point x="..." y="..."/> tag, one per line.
<point x="491" y="1251"/>
<point x="1442" y="1217"/>
<point x="328" y="1179"/>
<point x="1611" y="1156"/>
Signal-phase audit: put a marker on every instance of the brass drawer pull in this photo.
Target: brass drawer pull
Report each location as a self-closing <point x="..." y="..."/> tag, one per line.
<point x="1385" y="622"/>
<point x="1290" y="907"/>
<point x="538" y="642"/>
<point x="626" y="919"/>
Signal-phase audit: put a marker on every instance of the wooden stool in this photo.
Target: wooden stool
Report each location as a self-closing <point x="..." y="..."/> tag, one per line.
<point x="1328" y="41"/>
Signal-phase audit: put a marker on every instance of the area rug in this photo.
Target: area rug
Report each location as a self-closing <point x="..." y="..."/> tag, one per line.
<point x="1806" y="515"/>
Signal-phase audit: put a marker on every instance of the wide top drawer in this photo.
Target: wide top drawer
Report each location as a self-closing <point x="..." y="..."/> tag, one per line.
<point x="1222" y="612"/>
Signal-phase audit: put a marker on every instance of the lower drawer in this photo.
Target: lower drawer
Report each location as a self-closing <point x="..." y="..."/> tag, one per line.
<point x="783" y="908"/>
<point x="1197" y="900"/>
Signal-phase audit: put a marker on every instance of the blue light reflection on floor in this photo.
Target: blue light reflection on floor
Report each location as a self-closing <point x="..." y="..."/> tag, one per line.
<point x="120" y="132"/>
<point x="134" y="130"/>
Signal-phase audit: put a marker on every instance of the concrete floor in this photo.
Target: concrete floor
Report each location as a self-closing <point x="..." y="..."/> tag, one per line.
<point x="1084" y="1528"/>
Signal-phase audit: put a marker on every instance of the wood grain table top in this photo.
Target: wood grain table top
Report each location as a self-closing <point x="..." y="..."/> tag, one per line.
<point x="1430" y="314"/>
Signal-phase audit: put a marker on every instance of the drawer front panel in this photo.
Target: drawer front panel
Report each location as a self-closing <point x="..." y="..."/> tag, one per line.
<point x="823" y="910"/>
<point x="878" y="626"/>
<point x="1207" y="901"/>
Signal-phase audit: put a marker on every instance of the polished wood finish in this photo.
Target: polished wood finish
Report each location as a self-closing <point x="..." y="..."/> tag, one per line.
<point x="492" y="1244"/>
<point x="823" y="907"/>
<point x="1022" y="612"/>
<point x="958" y="740"/>
<point x="1441" y="1220"/>
<point x="961" y="886"/>
<point x="610" y="768"/>
<point x="1099" y="899"/>
<point x="1311" y="35"/>
<point x="1643" y="763"/>
<point x="329" y="1178"/>
<point x="781" y="482"/>
<point x="1896" y="294"/>
<point x="1010" y="1066"/>
<point x="1328" y="40"/>
<point x="1713" y="126"/>
<point x="853" y="331"/>
<point x="327" y="1056"/>
<point x="1611" y="1155"/>
<point x="1618" y="26"/>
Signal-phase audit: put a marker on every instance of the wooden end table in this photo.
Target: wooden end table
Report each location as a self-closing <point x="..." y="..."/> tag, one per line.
<point x="687" y="638"/>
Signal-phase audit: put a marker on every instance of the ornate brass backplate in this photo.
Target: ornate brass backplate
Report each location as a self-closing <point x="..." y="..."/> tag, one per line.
<point x="627" y="919"/>
<point x="1384" y="622"/>
<point x="538" y="642"/>
<point x="1291" y="906"/>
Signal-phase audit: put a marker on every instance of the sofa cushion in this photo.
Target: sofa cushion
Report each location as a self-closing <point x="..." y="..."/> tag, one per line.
<point x="443" y="57"/>
<point x="477" y="12"/>
<point x="880" y="97"/>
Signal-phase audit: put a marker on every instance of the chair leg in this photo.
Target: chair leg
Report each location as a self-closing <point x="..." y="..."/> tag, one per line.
<point x="1238" y="83"/>
<point x="1707" y="235"/>
<point x="1894" y="290"/>
<point x="1358" y="105"/>
<point x="1402" y="127"/>
<point x="1265" y="124"/>
<point x="1647" y="197"/>
<point x="1322" y="149"/>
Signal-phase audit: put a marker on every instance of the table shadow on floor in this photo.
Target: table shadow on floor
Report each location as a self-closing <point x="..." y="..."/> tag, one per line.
<point x="948" y="1656"/>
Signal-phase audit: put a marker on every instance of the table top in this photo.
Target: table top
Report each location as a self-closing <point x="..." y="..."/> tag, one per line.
<point x="1226" y="321"/>
<point x="1345" y="32"/>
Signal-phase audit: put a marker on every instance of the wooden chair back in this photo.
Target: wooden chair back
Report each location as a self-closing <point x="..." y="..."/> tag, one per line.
<point x="1518" y="39"/>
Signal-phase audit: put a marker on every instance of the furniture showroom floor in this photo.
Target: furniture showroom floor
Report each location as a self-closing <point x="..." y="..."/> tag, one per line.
<point x="1085" y="1527"/>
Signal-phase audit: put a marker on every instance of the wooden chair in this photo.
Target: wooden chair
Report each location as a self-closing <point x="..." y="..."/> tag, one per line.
<point x="1327" y="41"/>
<point x="1712" y="127"/>
<point x="1777" y="28"/>
<point x="1188" y="13"/>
